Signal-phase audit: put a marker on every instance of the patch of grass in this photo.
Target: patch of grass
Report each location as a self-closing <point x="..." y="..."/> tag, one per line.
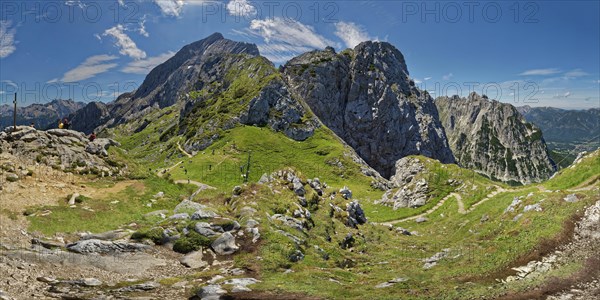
<point x="102" y="215"/>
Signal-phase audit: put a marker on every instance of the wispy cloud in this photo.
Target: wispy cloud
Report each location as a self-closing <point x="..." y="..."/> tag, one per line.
<point x="426" y="78"/>
<point x="170" y="8"/>
<point x="562" y="96"/>
<point x="447" y="76"/>
<point x="290" y="32"/>
<point x="576" y="73"/>
<point x="540" y="72"/>
<point x="75" y="3"/>
<point x="351" y="33"/>
<point x="286" y="38"/>
<point x="241" y="8"/>
<point x="91" y="67"/>
<point x="125" y="44"/>
<point x="7" y="39"/>
<point x="144" y="66"/>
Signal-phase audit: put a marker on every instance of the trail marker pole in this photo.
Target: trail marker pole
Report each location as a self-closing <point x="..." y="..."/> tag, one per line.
<point x="15" y="114"/>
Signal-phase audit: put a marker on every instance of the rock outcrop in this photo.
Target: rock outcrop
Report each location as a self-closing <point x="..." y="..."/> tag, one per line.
<point x="366" y="97"/>
<point x="494" y="139"/>
<point x="59" y="148"/>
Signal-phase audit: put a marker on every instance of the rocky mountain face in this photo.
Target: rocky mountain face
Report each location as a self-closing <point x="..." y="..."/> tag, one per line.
<point x="43" y="115"/>
<point x="366" y="97"/>
<point x="494" y="139"/>
<point x="566" y="127"/>
<point x="216" y="84"/>
<point x="89" y="117"/>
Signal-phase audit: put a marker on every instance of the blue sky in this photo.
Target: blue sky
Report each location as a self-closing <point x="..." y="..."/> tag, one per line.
<point x="535" y="53"/>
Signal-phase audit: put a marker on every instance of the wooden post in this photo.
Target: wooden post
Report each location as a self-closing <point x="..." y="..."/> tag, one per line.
<point x="15" y="114"/>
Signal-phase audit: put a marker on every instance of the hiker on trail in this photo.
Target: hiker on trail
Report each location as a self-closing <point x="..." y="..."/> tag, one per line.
<point x="66" y="123"/>
<point x="61" y="125"/>
<point x="92" y="137"/>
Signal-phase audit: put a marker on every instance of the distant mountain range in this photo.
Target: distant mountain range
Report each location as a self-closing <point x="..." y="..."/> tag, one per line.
<point x="42" y="115"/>
<point x="566" y="128"/>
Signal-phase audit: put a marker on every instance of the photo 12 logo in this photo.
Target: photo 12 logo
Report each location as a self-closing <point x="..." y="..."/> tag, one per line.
<point x="469" y="11"/>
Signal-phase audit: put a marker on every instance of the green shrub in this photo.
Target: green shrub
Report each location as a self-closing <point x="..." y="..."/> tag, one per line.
<point x="192" y="242"/>
<point x="154" y="234"/>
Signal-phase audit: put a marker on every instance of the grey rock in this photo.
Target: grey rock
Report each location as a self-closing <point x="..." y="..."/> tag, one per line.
<point x="298" y="187"/>
<point x="146" y="286"/>
<point x="421" y="219"/>
<point x="346" y="192"/>
<point x="534" y="207"/>
<point x="366" y="97"/>
<point x="188" y="206"/>
<point x="251" y="223"/>
<point x="225" y="244"/>
<point x="212" y="291"/>
<point x="571" y="198"/>
<point x="356" y="215"/>
<point x="104" y="247"/>
<point x="289" y="221"/>
<point x="494" y="139"/>
<point x="410" y="192"/>
<point x="204" y="229"/>
<point x="204" y="214"/>
<point x="193" y="260"/>
<point x="513" y="205"/>
<point x="433" y="260"/>
<point x="180" y="216"/>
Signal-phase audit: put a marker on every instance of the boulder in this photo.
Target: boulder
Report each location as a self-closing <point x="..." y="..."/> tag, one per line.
<point x="346" y="192"/>
<point x="225" y="244"/>
<point x="193" y="260"/>
<point x="104" y="247"/>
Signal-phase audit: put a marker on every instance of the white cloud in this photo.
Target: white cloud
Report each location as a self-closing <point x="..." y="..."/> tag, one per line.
<point x="75" y="3"/>
<point x="170" y="8"/>
<point x="561" y="96"/>
<point x="7" y="39"/>
<point x="289" y="32"/>
<point x="576" y="73"/>
<point x="426" y="78"/>
<point x="142" y="27"/>
<point x="280" y="53"/>
<point x="351" y="33"/>
<point x="121" y="2"/>
<point x="447" y="76"/>
<point x="144" y="66"/>
<point x="125" y="44"/>
<point x="241" y="8"/>
<point x="534" y="72"/>
<point x="91" y="67"/>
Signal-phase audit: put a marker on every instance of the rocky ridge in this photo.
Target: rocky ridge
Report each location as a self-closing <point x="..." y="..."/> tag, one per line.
<point x="366" y="97"/>
<point x="494" y="139"/>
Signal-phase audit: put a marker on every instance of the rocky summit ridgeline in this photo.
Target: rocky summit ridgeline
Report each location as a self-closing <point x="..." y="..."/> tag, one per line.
<point x="366" y="97"/>
<point x="494" y="139"/>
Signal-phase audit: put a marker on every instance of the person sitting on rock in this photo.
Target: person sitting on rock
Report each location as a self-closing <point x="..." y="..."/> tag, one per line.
<point x="92" y="136"/>
<point x="61" y="125"/>
<point x="66" y="123"/>
<point x="32" y="125"/>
